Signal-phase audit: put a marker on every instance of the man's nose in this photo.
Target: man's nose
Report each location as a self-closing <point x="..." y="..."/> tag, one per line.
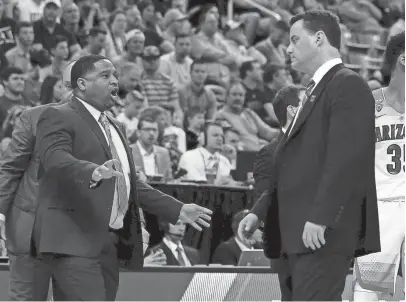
<point x="289" y="49"/>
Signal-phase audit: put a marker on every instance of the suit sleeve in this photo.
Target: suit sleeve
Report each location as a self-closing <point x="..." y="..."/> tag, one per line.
<point x="350" y="139"/>
<point x="55" y="140"/>
<point x="15" y="161"/>
<point x="157" y="203"/>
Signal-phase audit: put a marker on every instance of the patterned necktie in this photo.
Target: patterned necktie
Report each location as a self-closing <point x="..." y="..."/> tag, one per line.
<point x="180" y="256"/>
<point x="308" y="92"/>
<point x="121" y="187"/>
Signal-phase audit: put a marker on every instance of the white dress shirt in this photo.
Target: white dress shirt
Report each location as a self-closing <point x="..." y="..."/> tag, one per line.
<point x="318" y="75"/>
<point x="173" y="247"/>
<point x="196" y="161"/>
<point x="150" y="168"/>
<point x="116" y="218"/>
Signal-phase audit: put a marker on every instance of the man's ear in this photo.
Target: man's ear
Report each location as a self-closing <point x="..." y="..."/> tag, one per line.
<point x="81" y="84"/>
<point x="401" y="60"/>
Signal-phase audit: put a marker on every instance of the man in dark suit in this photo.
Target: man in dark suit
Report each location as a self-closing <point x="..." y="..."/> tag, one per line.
<point x="285" y="105"/>
<point x="87" y="223"/>
<point x="18" y="203"/>
<point x="324" y="184"/>
<point x="175" y="251"/>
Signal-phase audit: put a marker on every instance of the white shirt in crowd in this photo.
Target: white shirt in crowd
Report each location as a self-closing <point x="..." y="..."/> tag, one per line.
<point x="30" y="11"/>
<point x="173" y="247"/>
<point x="116" y="218"/>
<point x="196" y="161"/>
<point x="130" y="124"/>
<point x="150" y="168"/>
<point x="178" y="72"/>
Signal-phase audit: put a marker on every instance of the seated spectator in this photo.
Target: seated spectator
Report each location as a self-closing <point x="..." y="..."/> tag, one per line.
<point x="229" y="252"/>
<point x="46" y="29"/>
<point x="70" y="20"/>
<point x="149" y="158"/>
<point x="173" y="24"/>
<point x="206" y="163"/>
<point x="134" y="102"/>
<point x="115" y="39"/>
<point x="134" y="19"/>
<point x="32" y="10"/>
<point x="173" y="130"/>
<point x="176" y="65"/>
<point x="208" y="45"/>
<point x="129" y="78"/>
<point x="195" y="122"/>
<point x="176" y="253"/>
<point x="13" y="83"/>
<point x="232" y="139"/>
<point x="133" y="49"/>
<point x="237" y="44"/>
<point x="51" y="90"/>
<point x="194" y="95"/>
<point x="59" y="52"/>
<point x="96" y="44"/>
<point x="20" y="56"/>
<point x="157" y="87"/>
<point x="255" y="98"/>
<point x="254" y="133"/>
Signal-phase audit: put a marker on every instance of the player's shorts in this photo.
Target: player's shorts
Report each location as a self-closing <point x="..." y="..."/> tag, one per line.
<point x="378" y="271"/>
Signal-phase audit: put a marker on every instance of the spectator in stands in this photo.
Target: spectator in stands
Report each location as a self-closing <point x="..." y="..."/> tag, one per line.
<point x="133" y="49"/>
<point x="176" y="64"/>
<point x="174" y="25"/>
<point x="237" y="44"/>
<point x="195" y="122"/>
<point x="7" y="30"/>
<point x="59" y="52"/>
<point x="194" y="95"/>
<point x="32" y="10"/>
<point x="208" y="45"/>
<point x="174" y="129"/>
<point x="116" y="41"/>
<point x="229" y="252"/>
<point x="134" y="19"/>
<point x="13" y="83"/>
<point x="206" y="163"/>
<point x="70" y="20"/>
<point x="157" y="87"/>
<point x="19" y="56"/>
<point x="134" y="102"/>
<point x="51" y="90"/>
<point x="232" y="138"/>
<point x="176" y="253"/>
<point x="149" y="158"/>
<point x="254" y="133"/>
<point x="251" y="73"/>
<point x="96" y="44"/>
<point x="46" y="29"/>
<point x="129" y="78"/>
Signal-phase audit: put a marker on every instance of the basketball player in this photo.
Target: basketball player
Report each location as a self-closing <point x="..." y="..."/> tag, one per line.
<point x="376" y="273"/>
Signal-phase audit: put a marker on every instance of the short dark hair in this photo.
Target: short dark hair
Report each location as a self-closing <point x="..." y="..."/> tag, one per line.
<point x="197" y="62"/>
<point x="152" y="111"/>
<point x="245" y="67"/>
<point x="233" y="83"/>
<point x="115" y="14"/>
<point x="320" y="20"/>
<point x="230" y="129"/>
<point x="47" y="90"/>
<point x="270" y="70"/>
<point x="288" y="95"/>
<point x="84" y="66"/>
<point x="95" y="31"/>
<point x="58" y="39"/>
<point x="147" y="118"/>
<point x="394" y="48"/>
<point x="182" y="35"/>
<point x="8" y="71"/>
<point x="21" y="25"/>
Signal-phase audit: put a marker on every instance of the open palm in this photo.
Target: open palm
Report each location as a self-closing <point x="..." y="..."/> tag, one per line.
<point x="195" y="215"/>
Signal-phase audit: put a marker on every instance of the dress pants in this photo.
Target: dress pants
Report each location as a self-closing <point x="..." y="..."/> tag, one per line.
<point x="29" y="280"/>
<point x="86" y="279"/>
<point x="284" y="277"/>
<point x="319" y="275"/>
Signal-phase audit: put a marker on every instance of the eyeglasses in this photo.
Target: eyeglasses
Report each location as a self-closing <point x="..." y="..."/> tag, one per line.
<point x="149" y="130"/>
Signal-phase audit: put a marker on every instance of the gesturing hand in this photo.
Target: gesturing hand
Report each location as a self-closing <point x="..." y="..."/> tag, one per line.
<point x="248" y="226"/>
<point x="106" y="170"/>
<point x="195" y="215"/>
<point x="313" y="235"/>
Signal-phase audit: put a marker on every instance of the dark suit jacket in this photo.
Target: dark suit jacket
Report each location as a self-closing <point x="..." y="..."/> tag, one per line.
<point x="227" y="253"/>
<point x="325" y="171"/>
<point x="162" y="160"/>
<point x="73" y="218"/>
<point x="191" y="253"/>
<point x="18" y="181"/>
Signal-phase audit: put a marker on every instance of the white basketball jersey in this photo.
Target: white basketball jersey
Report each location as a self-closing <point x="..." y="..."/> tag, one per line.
<point x="389" y="149"/>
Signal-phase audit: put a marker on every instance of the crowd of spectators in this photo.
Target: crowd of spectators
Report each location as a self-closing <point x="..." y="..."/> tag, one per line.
<point x="196" y="87"/>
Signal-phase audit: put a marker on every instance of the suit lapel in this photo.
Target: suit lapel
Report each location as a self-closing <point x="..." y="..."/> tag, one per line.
<point x="85" y="114"/>
<point x="309" y="105"/>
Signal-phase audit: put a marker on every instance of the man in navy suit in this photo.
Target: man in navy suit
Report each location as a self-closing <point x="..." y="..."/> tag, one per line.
<point x="324" y="184"/>
<point x="87" y="224"/>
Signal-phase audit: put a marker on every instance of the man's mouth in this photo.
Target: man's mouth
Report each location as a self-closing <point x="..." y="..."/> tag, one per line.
<point x="114" y="92"/>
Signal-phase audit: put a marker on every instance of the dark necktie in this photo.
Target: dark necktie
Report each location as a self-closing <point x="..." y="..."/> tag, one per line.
<point x="180" y="256"/>
<point x="121" y="187"/>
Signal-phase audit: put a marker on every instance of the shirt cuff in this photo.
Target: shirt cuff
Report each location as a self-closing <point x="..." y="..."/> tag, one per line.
<point x="2" y="217"/>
